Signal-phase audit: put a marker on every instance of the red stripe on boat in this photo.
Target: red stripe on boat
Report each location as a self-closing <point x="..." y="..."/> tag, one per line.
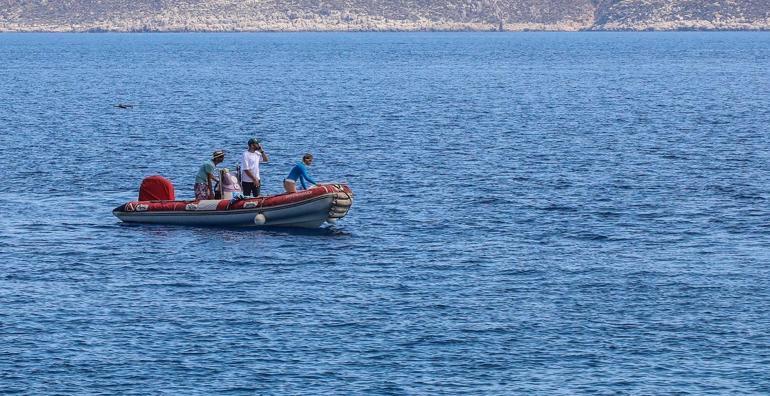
<point x="249" y="203"/>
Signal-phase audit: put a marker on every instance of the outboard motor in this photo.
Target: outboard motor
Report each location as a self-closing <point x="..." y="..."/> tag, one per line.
<point x="156" y="188"/>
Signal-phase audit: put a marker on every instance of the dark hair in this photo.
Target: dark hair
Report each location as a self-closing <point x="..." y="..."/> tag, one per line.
<point x="306" y="156"/>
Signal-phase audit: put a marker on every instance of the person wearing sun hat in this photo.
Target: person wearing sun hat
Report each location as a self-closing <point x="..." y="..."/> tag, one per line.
<point x="206" y="176"/>
<point x="250" y="180"/>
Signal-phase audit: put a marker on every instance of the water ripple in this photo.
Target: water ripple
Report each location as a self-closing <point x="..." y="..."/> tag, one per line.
<point x="535" y="213"/>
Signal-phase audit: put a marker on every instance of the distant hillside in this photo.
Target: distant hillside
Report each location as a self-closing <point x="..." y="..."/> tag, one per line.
<point x="683" y="14"/>
<point x="323" y="15"/>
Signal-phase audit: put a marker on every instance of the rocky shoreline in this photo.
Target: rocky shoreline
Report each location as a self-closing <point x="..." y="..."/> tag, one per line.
<point x="389" y="26"/>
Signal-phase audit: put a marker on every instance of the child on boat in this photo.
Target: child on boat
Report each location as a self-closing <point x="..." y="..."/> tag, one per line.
<point x="230" y="186"/>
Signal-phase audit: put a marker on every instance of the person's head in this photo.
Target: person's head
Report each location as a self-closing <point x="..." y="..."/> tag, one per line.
<point x="218" y="156"/>
<point x="307" y="158"/>
<point x="254" y="144"/>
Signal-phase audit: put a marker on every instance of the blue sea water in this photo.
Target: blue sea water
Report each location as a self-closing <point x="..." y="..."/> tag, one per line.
<point x="536" y="213"/>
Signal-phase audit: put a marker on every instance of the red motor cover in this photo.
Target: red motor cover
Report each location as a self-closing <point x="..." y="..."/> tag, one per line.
<point x="156" y="188"/>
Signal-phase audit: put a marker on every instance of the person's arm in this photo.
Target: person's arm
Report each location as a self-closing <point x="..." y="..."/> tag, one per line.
<point x="262" y="152"/>
<point x="251" y="175"/>
<point x="209" y="179"/>
<point x="210" y="169"/>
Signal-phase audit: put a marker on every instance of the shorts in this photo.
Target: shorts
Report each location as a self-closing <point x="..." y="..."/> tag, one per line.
<point x="202" y="191"/>
<point x="251" y="188"/>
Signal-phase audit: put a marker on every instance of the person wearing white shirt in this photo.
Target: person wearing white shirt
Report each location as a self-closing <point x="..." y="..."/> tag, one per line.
<point x="250" y="180"/>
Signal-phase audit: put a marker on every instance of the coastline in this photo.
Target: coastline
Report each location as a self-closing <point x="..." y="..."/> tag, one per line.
<point x="379" y="26"/>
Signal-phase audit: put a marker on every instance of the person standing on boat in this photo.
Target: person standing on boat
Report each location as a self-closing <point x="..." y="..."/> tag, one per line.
<point x="250" y="180"/>
<point x="206" y="176"/>
<point x="299" y="172"/>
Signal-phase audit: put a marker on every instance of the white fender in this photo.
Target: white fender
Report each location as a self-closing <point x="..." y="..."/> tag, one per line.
<point x="343" y="202"/>
<point x="335" y="209"/>
<point x="259" y="219"/>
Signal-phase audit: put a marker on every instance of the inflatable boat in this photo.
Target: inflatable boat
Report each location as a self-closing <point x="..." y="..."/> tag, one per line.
<point x="325" y="203"/>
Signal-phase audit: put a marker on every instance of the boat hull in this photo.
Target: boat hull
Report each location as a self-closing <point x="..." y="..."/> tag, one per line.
<point x="306" y="209"/>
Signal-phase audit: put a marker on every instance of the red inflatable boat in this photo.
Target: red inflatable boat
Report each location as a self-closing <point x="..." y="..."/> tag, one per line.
<point x="308" y="208"/>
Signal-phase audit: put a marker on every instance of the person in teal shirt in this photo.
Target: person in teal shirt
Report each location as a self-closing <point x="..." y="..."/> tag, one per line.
<point x="206" y="175"/>
<point x="299" y="173"/>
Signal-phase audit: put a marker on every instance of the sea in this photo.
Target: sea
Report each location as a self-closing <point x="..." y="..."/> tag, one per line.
<point x="535" y="213"/>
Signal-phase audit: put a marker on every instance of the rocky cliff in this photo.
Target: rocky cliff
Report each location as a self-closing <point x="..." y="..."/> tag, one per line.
<point x="380" y="15"/>
<point x="683" y="15"/>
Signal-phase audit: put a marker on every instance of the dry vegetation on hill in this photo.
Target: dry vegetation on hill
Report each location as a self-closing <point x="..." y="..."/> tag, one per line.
<point x="684" y="14"/>
<point x="323" y="15"/>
